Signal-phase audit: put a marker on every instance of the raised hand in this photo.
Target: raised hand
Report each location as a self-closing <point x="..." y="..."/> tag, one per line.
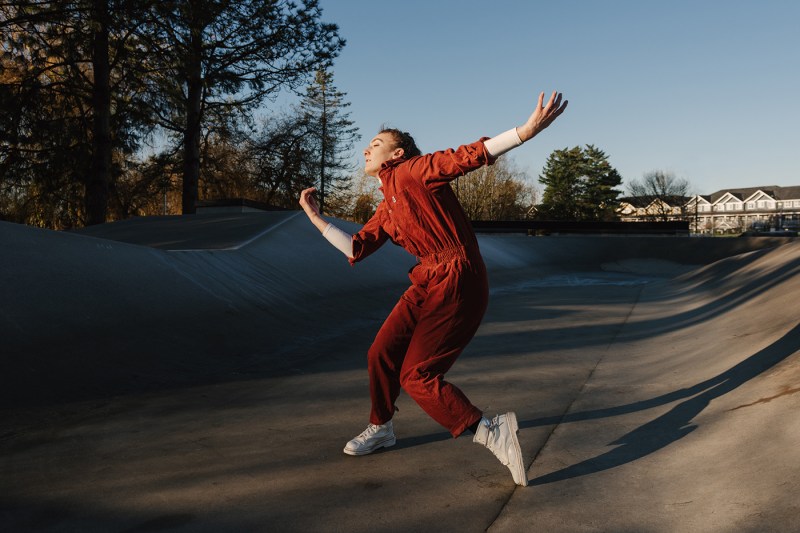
<point x="542" y="116"/>
<point x="309" y="202"/>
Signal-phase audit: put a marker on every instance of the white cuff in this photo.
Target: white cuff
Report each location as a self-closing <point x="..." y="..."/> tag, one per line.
<point x="500" y="144"/>
<point x="342" y="240"/>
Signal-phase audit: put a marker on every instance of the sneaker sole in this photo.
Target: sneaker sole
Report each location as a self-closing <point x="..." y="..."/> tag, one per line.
<point x="520" y="476"/>
<point x="382" y="444"/>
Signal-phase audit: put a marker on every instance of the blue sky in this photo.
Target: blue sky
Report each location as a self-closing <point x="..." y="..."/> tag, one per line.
<point x="707" y="90"/>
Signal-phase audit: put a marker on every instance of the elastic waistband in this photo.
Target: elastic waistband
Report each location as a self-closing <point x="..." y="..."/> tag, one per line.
<point x="448" y="254"/>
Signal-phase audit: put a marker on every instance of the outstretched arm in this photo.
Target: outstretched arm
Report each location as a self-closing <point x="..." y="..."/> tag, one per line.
<point x="541" y="117"/>
<point x="341" y="240"/>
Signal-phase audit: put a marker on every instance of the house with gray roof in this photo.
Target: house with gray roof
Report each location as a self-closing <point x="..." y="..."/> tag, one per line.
<point x="766" y="208"/>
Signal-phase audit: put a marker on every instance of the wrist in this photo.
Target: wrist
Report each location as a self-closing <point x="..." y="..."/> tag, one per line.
<point x="525" y="132"/>
<point x="320" y="223"/>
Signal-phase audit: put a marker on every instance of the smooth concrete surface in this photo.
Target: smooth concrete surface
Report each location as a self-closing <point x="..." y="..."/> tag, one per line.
<point x="204" y="373"/>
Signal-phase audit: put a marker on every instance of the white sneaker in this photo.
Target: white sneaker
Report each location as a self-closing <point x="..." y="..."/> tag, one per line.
<point x="371" y="439"/>
<point x="500" y="436"/>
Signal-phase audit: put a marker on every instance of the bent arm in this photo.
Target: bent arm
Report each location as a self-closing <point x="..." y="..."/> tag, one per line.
<point x="341" y="240"/>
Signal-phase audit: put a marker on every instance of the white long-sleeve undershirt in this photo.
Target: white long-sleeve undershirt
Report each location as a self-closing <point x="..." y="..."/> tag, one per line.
<point x="500" y="144"/>
<point x="496" y="146"/>
<point x="340" y="239"/>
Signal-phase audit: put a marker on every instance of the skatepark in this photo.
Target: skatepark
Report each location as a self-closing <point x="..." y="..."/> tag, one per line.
<point x="202" y="374"/>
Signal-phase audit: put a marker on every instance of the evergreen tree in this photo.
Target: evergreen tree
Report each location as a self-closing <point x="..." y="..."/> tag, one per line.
<point x="331" y="135"/>
<point x="579" y="185"/>
<point x="561" y="178"/>
<point x="73" y="95"/>
<point x="599" y="193"/>
<point x="218" y="57"/>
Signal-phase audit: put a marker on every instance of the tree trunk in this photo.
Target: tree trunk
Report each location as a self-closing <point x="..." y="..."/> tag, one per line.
<point x="193" y="132"/>
<point x="324" y="150"/>
<point x="99" y="179"/>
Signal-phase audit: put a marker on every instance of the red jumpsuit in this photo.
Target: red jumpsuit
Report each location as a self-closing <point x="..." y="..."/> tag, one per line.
<point x="439" y="314"/>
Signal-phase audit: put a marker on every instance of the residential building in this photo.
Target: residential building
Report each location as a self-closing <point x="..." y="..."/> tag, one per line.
<point x="766" y="208"/>
<point x="652" y="208"/>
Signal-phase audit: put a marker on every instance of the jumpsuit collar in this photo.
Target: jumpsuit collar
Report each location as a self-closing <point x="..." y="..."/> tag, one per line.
<point x="387" y="165"/>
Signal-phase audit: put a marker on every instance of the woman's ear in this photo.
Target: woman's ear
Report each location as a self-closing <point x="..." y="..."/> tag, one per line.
<point x="398" y="152"/>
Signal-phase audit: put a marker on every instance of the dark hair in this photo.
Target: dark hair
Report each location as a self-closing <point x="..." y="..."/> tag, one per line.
<point x="403" y="140"/>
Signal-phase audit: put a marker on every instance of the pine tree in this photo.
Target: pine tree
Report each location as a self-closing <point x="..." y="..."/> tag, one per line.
<point x="72" y="99"/>
<point x="331" y="135"/>
<point x="218" y="57"/>
<point x="561" y="178"/>
<point x="600" y="196"/>
<point x="579" y="185"/>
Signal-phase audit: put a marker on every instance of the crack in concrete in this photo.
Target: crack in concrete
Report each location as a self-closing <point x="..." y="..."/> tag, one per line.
<point x="569" y="406"/>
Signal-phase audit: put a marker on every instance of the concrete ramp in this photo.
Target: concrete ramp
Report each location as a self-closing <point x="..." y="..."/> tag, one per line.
<point x="155" y="301"/>
<point x="689" y="420"/>
<point x="225" y="231"/>
<point x="84" y="317"/>
<point x="182" y="374"/>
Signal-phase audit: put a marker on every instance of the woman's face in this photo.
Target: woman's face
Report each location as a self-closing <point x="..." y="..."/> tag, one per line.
<point x="381" y="149"/>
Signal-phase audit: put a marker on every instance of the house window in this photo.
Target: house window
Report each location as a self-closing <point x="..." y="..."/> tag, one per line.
<point x="750" y="205"/>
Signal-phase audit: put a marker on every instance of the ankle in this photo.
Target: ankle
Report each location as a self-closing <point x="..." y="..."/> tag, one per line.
<point x="474" y="427"/>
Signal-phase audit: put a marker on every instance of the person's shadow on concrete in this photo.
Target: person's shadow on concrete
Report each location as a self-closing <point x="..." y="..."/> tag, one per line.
<point x="674" y="424"/>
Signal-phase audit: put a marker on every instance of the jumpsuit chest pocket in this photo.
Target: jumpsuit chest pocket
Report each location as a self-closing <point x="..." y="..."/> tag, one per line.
<point x="399" y="207"/>
<point x="410" y="209"/>
<point x="397" y="202"/>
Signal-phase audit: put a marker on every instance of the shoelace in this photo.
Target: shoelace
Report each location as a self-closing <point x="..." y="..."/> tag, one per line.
<point x="494" y="422"/>
<point x="372" y="428"/>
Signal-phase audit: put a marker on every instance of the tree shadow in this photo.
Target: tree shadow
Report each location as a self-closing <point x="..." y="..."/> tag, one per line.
<point x="719" y="304"/>
<point x="673" y="425"/>
<point x="421" y="440"/>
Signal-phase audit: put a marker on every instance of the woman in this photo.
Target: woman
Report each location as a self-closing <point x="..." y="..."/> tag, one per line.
<point x="439" y="314"/>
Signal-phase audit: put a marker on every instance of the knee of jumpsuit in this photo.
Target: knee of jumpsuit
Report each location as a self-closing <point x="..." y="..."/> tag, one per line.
<point x="417" y="382"/>
<point x="421" y="383"/>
